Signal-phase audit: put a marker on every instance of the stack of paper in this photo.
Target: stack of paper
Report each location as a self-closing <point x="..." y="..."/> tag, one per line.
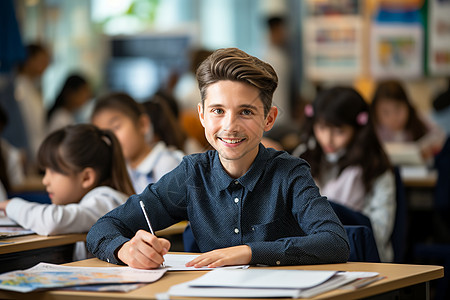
<point x="267" y="283"/>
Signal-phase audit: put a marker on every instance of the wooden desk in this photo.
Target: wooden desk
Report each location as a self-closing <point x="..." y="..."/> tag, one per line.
<point x="23" y="252"/>
<point x="34" y="241"/>
<point x="398" y="276"/>
<point x="177" y="228"/>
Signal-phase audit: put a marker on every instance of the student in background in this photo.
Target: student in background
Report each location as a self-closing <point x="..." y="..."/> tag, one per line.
<point x="284" y="221"/>
<point x="148" y="158"/>
<point x="167" y="129"/>
<point x="85" y="176"/>
<point x="28" y="95"/>
<point x="73" y="95"/>
<point x="348" y="162"/>
<point x="167" y="126"/>
<point x="396" y="119"/>
<point x="12" y="169"/>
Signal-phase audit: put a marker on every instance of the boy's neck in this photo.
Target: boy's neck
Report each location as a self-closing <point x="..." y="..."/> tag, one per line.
<point x="237" y="168"/>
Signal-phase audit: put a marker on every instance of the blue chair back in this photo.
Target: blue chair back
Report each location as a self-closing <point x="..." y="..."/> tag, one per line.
<point x="189" y="243"/>
<point x="363" y="247"/>
<point x="442" y="189"/>
<point x="399" y="234"/>
<point x="350" y="217"/>
<point x="362" y="243"/>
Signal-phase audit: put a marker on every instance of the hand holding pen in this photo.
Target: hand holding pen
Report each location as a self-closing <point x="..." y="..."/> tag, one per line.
<point x="144" y="250"/>
<point x="148" y="222"/>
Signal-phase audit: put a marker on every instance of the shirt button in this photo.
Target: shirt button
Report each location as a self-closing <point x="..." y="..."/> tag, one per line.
<point x="253" y="228"/>
<point x="236" y="182"/>
<point x="107" y="259"/>
<point x="236" y="200"/>
<point x="236" y="230"/>
<point x="278" y="262"/>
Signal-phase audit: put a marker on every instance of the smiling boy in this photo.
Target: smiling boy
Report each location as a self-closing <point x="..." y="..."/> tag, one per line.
<point x="246" y="204"/>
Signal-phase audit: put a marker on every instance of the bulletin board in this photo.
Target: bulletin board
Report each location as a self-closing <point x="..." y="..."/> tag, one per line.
<point x="333" y="47"/>
<point x="439" y="37"/>
<point x="396" y="50"/>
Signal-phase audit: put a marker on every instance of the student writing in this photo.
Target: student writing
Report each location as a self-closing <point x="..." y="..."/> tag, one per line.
<point x="348" y="161"/>
<point x="85" y="176"/>
<point x="148" y="158"/>
<point x="245" y="203"/>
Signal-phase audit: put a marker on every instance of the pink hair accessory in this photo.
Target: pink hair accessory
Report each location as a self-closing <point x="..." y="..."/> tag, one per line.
<point x="362" y="118"/>
<point x="309" y="110"/>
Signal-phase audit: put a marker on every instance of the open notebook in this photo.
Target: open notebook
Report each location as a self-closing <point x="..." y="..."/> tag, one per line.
<point x="404" y="154"/>
<point x="9" y="228"/>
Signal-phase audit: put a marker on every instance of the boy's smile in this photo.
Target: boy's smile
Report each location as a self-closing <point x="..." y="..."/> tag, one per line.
<point x="234" y="122"/>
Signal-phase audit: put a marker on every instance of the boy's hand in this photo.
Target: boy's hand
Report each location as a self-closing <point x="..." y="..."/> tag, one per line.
<point x="144" y="251"/>
<point x="237" y="255"/>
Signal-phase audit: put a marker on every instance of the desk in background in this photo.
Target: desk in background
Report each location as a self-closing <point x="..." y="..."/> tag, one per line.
<point x="402" y="280"/>
<point x="23" y="252"/>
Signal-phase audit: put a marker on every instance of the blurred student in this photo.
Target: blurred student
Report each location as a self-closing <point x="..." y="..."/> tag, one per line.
<point x="277" y="55"/>
<point x="167" y="128"/>
<point x="29" y="97"/>
<point x="148" y="157"/>
<point x="348" y="162"/>
<point x="396" y="119"/>
<point x="85" y="177"/>
<point x="12" y="169"/>
<point x="73" y="95"/>
<point x="246" y="204"/>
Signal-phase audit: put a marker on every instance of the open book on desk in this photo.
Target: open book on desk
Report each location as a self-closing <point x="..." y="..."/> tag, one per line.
<point x="265" y="283"/>
<point x="50" y="276"/>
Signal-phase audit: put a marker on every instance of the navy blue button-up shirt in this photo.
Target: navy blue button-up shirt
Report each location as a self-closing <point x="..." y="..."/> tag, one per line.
<point x="275" y="208"/>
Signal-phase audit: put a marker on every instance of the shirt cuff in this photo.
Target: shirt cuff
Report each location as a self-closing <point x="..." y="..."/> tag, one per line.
<point x="268" y="253"/>
<point x="110" y="252"/>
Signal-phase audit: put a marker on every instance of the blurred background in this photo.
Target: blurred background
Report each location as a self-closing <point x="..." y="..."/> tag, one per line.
<point x="142" y="46"/>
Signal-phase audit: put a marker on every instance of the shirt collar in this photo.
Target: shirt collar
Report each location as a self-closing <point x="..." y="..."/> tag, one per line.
<point x="147" y="165"/>
<point x="249" y="179"/>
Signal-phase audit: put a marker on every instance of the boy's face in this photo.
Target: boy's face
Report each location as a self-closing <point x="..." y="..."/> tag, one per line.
<point x="234" y="122"/>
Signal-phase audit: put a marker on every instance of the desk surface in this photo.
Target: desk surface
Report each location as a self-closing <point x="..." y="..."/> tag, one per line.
<point x="177" y="228"/>
<point x="398" y="276"/>
<point x="34" y="241"/>
<point x="426" y="180"/>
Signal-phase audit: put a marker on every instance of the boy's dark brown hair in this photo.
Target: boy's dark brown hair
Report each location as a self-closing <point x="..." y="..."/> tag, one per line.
<point x="71" y="149"/>
<point x="236" y="65"/>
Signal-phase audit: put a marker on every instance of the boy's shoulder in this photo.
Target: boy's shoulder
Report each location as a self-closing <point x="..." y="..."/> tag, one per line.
<point x="206" y="158"/>
<point x="283" y="159"/>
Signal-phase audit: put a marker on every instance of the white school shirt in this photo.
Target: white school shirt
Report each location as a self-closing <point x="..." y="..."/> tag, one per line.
<point x="14" y="166"/>
<point x="50" y="219"/>
<point x="379" y="204"/>
<point x="60" y="118"/>
<point x="156" y="164"/>
<point x="33" y="113"/>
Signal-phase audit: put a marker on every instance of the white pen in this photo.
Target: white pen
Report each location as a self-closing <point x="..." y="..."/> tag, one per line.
<point x="148" y="222"/>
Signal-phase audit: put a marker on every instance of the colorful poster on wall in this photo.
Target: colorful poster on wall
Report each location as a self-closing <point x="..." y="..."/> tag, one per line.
<point x="439" y="37"/>
<point x="396" y="50"/>
<point x="333" y="47"/>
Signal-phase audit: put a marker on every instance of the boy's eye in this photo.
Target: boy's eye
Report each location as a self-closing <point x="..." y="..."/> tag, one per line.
<point x="247" y="112"/>
<point x="217" y="111"/>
